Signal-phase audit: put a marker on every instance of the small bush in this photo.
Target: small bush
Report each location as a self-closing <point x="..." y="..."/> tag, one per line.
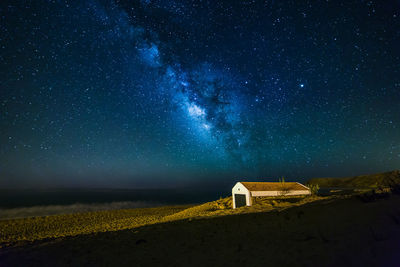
<point x="314" y="188"/>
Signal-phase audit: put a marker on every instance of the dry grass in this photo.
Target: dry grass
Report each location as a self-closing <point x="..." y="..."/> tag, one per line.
<point x="223" y="207"/>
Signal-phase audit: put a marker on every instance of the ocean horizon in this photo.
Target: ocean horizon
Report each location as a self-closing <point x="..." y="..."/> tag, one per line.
<point x="30" y="203"/>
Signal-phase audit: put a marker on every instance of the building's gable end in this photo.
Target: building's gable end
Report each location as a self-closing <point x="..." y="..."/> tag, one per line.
<point x="240" y="189"/>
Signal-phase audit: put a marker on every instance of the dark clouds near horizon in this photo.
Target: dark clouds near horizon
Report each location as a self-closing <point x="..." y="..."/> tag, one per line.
<point x="151" y="93"/>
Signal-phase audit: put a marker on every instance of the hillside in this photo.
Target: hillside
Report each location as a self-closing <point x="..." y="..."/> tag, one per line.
<point x="57" y="226"/>
<point x="14" y="231"/>
<point x="283" y="231"/>
<point x="330" y="232"/>
<point x="379" y="180"/>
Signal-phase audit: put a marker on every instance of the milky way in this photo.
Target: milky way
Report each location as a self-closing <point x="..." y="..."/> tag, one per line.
<point x="127" y="93"/>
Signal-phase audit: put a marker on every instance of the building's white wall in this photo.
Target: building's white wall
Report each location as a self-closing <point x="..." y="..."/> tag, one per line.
<point x="240" y="189"/>
<point x="279" y="193"/>
<point x="264" y="193"/>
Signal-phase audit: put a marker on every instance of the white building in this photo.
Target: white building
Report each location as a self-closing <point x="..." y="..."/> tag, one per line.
<point x="242" y="192"/>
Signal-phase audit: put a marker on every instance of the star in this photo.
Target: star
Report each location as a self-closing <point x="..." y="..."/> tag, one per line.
<point x="133" y="86"/>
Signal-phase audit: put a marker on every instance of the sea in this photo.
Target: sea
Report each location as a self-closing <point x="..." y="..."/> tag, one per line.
<point x="31" y="203"/>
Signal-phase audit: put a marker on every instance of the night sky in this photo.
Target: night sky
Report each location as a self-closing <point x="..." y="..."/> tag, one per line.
<point x="170" y="93"/>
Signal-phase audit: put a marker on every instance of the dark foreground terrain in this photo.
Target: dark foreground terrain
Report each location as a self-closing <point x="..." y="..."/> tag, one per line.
<point x="350" y="231"/>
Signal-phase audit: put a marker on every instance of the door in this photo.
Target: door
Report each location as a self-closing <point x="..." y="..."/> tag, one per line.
<point x="240" y="200"/>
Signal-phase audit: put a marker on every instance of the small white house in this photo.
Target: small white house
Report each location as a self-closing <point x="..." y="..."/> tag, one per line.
<point x="242" y="192"/>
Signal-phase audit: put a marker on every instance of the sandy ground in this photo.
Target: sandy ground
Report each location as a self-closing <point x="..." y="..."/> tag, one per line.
<point x="346" y="232"/>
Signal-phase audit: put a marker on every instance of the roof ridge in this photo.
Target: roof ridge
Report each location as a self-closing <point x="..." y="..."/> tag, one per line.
<point x="273" y="182"/>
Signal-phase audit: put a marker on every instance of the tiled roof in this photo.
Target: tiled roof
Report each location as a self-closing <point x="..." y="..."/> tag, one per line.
<point x="273" y="186"/>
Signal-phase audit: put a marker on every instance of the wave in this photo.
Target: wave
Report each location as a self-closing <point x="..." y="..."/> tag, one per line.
<point x="36" y="211"/>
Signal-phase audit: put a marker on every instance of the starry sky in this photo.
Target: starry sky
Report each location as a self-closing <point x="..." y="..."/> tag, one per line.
<point x="158" y="93"/>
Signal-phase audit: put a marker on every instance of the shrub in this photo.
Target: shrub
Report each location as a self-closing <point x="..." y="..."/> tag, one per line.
<point x="314" y="188"/>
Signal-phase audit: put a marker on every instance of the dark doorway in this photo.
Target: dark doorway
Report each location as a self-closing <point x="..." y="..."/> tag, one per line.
<point x="240" y="200"/>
